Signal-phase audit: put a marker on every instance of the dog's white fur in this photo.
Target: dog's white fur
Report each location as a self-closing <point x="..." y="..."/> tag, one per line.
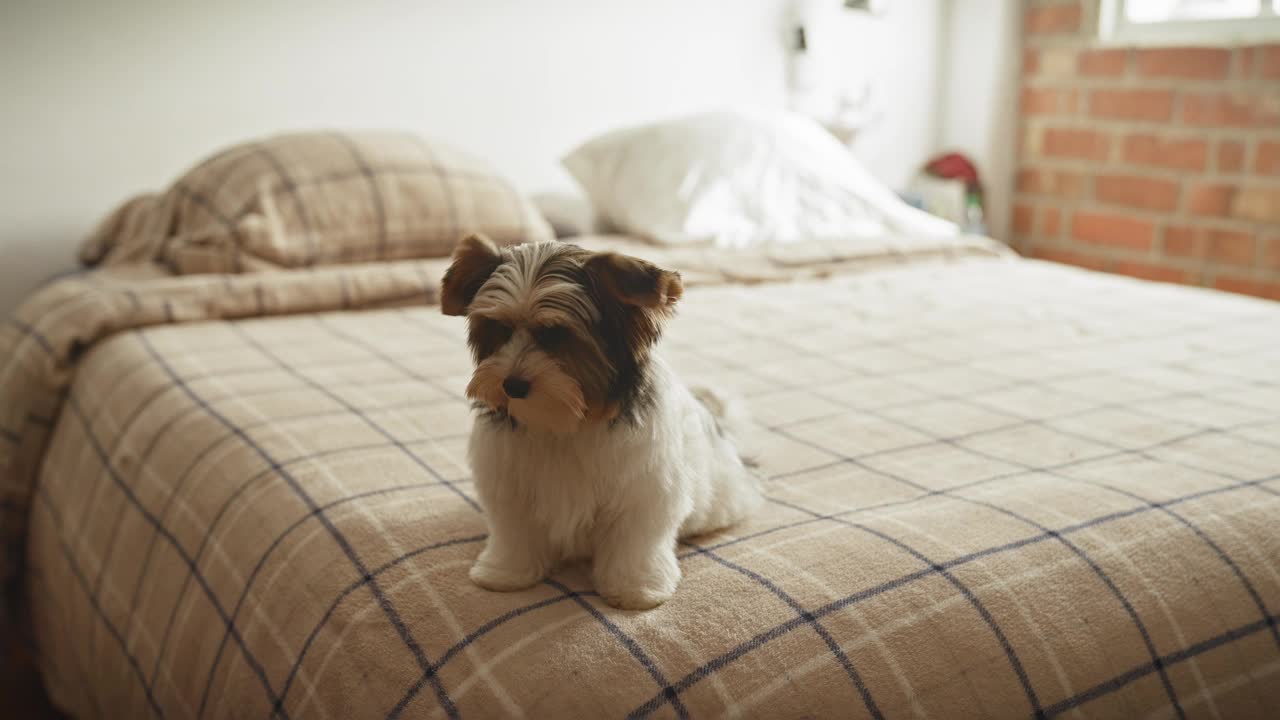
<point x="621" y="495"/>
<point x="558" y="482"/>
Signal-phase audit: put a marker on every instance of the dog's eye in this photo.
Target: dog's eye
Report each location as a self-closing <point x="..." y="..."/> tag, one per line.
<point x="488" y="335"/>
<point x="550" y="337"/>
<point x="497" y="330"/>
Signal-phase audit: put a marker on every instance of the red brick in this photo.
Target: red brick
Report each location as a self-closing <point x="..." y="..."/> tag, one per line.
<point x="1053" y="19"/>
<point x="1176" y="153"/>
<point x="1103" y="63"/>
<point x="1050" y="222"/>
<point x="1244" y="63"/>
<point x="1230" y="156"/>
<point x="1113" y="230"/>
<point x="1248" y="286"/>
<point x="1147" y="271"/>
<point x="1211" y="199"/>
<point x="1068" y="257"/>
<point x="1030" y="62"/>
<point x="1216" y="109"/>
<point x="1071" y="101"/>
<point x="1153" y="105"/>
<point x="1243" y="109"/>
<point x="1059" y="183"/>
<point x="1230" y="247"/>
<point x="1182" y="241"/>
<point x="1259" y="204"/>
<point x="1070" y="143"/>
<point x="1046" y="101"/>
<point x="1271" y="254"/>
<point x="1185" y="62"/>
<point x="1023" y="219"/>
<point x="1137" y="192"/>
<point x="1270" y="61"/>
<point x="1267" y="161"/>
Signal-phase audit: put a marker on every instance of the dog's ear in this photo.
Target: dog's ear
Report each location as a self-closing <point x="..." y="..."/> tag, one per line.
<point x="632" y="281"/>
<point x="642" y="296"/>
<point x="474" y="260"/>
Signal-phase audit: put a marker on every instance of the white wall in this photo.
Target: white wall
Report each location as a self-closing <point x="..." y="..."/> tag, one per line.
<point x="981" y="61"/>
<point x="897" y="55"/>
<point x="104" y="99"/>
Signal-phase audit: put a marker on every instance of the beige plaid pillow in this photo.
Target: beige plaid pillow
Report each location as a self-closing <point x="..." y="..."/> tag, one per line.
<point x="317" y="198"/>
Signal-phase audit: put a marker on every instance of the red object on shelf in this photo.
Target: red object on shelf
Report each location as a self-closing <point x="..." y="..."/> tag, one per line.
<point x="955" y="166"/>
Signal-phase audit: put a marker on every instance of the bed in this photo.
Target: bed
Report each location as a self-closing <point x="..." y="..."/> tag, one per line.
<point x="996" y="488"/>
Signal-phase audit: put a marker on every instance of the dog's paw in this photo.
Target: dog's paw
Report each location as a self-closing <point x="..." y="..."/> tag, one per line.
<point x="638" y="599"/>
<point x="501" y="579"/>
<point x="639" y="592"/>
<point x="643" y="582"/>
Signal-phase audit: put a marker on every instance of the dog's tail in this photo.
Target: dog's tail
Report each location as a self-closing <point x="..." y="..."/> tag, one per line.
<point x="731" y="417"/>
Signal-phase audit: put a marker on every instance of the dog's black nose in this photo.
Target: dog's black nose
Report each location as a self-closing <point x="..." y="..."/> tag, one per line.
<point x="516" y="388"/>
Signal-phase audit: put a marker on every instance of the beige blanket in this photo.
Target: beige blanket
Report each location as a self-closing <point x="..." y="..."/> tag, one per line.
<point x="998" y="488"/>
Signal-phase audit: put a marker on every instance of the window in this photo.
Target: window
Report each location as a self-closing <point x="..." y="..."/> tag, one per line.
<point x="1189" y="22"/>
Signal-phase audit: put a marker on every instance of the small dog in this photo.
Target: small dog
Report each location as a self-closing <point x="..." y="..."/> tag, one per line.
<point x="586" y="444"/>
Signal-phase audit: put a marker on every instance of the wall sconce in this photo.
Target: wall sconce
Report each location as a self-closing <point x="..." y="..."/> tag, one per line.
<point x="875" y="7"/>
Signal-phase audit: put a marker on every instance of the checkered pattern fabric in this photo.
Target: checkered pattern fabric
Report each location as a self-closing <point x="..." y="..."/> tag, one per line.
<point x="996" y="489"/>
<point x="318" y="198"/>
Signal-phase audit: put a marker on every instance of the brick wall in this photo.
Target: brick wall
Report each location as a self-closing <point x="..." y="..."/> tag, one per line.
<point x="1161" y="163"/>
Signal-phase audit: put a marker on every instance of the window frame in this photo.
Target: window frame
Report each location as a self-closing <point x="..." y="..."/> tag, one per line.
<point x="1116" y="29"/>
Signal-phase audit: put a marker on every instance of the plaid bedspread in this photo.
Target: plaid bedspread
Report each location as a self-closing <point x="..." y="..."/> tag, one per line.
<point x="997" y="488"/>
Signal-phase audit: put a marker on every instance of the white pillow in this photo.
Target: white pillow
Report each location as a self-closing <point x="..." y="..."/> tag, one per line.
<point x="739" y="178"/>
